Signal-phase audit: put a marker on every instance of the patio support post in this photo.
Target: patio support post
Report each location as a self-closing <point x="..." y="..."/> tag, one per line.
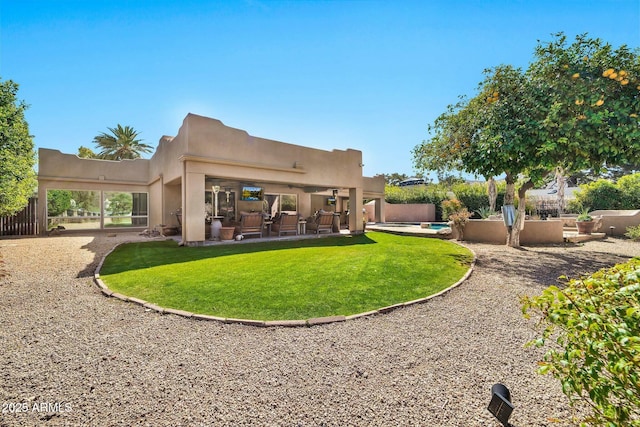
<point x="379" y="208"/>
<point x="355" y="210"/>
<point x="193" y="208"/>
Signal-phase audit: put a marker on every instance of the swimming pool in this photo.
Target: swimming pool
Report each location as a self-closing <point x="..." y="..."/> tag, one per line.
<point x="429" y="225"/>
<point x="435" y="225"/>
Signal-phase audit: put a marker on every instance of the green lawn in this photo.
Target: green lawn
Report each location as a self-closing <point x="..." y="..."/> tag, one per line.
<point x="293" y="280"/>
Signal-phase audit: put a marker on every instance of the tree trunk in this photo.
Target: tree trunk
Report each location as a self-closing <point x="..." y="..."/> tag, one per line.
<point x="560" y="181"/>
<point x="513" y="239"/>
<point x="493" y="194"/>
<point x="510" y="194"/>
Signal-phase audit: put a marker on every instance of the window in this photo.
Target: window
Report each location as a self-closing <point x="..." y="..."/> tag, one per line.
<point x="85" y="210"/>
<point x="282" y="203"/>
<point x="73" y="209"/>
<point x="124" y="209"/>
<point x="289" y="203"/>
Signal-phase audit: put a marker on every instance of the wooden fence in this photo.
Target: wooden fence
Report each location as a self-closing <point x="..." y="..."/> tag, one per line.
<point x="24" y="223"/>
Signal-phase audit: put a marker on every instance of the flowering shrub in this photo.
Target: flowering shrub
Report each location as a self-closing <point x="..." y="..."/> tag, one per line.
<point x="457" y="214"/>
<point x="450" y="207"/>
<point x="592" y="327"/>
<point x="461" y="217"/>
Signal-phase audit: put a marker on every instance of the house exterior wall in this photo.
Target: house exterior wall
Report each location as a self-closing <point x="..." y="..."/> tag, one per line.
<point x="178" y="173"/>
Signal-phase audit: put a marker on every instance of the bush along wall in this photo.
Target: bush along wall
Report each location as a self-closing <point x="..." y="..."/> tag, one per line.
<point x="434" y="194"/>
<point x="591" y="329"/>
<point x="604" y="194"/>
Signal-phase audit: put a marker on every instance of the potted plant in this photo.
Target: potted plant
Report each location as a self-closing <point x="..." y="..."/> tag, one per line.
<point x="584" y="222"/>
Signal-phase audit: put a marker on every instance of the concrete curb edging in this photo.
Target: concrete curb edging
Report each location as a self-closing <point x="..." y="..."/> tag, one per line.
<point x="270" y="323"/>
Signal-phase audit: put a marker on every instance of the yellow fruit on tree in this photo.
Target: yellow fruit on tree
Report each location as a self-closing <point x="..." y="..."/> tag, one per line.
<point x="495" y="94"/>
<point x="622" y="73"/>
<point x="582" y="117"/>
<point x="608" y="72"/>
<point x="633" y="115"/>
<point x="575" y="76"/>
<point x="613" y="76"/>
<point x="599" y="102"/>
<point x="579" y="101"/>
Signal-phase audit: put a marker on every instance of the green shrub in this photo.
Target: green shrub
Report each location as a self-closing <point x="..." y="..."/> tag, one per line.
<point x="450" y="207"/>
<point x="633" y="232"/>
<point x="473" y="196"/>
<point x="592" y="327"/>
<point x="600" y="194"/>
<point x="573" y="207"/>
<point x="630" y="187"/>
<point x="434" y="194"/>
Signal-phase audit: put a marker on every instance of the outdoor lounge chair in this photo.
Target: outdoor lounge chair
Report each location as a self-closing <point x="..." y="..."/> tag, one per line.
<point x="251" y="223"/>
<point x="285" y="224"/>
<point x="323" y="221"/>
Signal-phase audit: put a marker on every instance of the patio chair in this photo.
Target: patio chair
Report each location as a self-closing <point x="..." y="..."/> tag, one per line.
<point x="322" y="222"/>
<point x="285" y="223"/>
<point x="250" y="224"/>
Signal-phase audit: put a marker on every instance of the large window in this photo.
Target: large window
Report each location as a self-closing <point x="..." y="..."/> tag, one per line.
<point x="123" y="209"/>
<point x="85" y="210"/>
<point x="282" y="203"/>
<point x="73" y="209"/>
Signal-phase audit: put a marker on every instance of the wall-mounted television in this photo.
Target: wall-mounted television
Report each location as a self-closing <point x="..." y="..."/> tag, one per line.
<point x="252" y="193"/>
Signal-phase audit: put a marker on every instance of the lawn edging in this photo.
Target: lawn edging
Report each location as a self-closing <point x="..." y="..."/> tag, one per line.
<point x="271" y="323"/>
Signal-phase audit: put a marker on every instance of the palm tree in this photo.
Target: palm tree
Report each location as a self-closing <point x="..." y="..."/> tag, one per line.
<point x="121" y="144"/>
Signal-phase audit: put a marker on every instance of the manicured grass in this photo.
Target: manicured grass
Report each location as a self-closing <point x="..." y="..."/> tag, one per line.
<point x="280" y="280"/>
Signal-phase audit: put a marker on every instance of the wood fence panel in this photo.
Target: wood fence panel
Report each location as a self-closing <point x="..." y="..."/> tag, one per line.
<point x="24" y="223"/>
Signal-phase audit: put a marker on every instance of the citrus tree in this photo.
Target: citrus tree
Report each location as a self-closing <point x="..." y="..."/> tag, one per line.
<point x="575" y="107"/>
<point x="17" y="154"/>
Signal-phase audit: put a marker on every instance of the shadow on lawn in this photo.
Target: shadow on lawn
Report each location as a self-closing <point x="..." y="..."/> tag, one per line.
<point x="542" y="267"/>
<point x="138" y="255"/>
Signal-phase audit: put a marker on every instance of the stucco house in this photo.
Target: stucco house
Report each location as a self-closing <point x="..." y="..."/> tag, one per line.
<point x="176" y="185"/>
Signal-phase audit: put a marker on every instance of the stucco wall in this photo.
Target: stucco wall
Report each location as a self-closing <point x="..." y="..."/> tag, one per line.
<point x="54" y="165"/>
<point x="534" y="232"/>
<point x="238" y="155"/>
<point x="410" y="212"/>
<point x="620" y="219"/>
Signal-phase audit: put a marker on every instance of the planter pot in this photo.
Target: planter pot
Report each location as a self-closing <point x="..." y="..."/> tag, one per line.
<point x="226" y="233"/>
<point x="585" y="227"/>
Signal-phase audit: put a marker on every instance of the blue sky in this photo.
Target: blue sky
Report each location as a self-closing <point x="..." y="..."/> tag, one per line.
<point x="368" y="75"/>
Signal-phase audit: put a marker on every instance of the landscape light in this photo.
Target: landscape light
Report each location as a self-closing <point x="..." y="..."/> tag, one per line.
<point x="500" y="405"/>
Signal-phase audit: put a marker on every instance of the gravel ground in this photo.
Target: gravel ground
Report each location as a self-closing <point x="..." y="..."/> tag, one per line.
<point x="71" y="356"/>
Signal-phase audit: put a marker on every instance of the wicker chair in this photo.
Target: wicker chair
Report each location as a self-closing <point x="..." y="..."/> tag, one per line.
<point x="285" y="224"/>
